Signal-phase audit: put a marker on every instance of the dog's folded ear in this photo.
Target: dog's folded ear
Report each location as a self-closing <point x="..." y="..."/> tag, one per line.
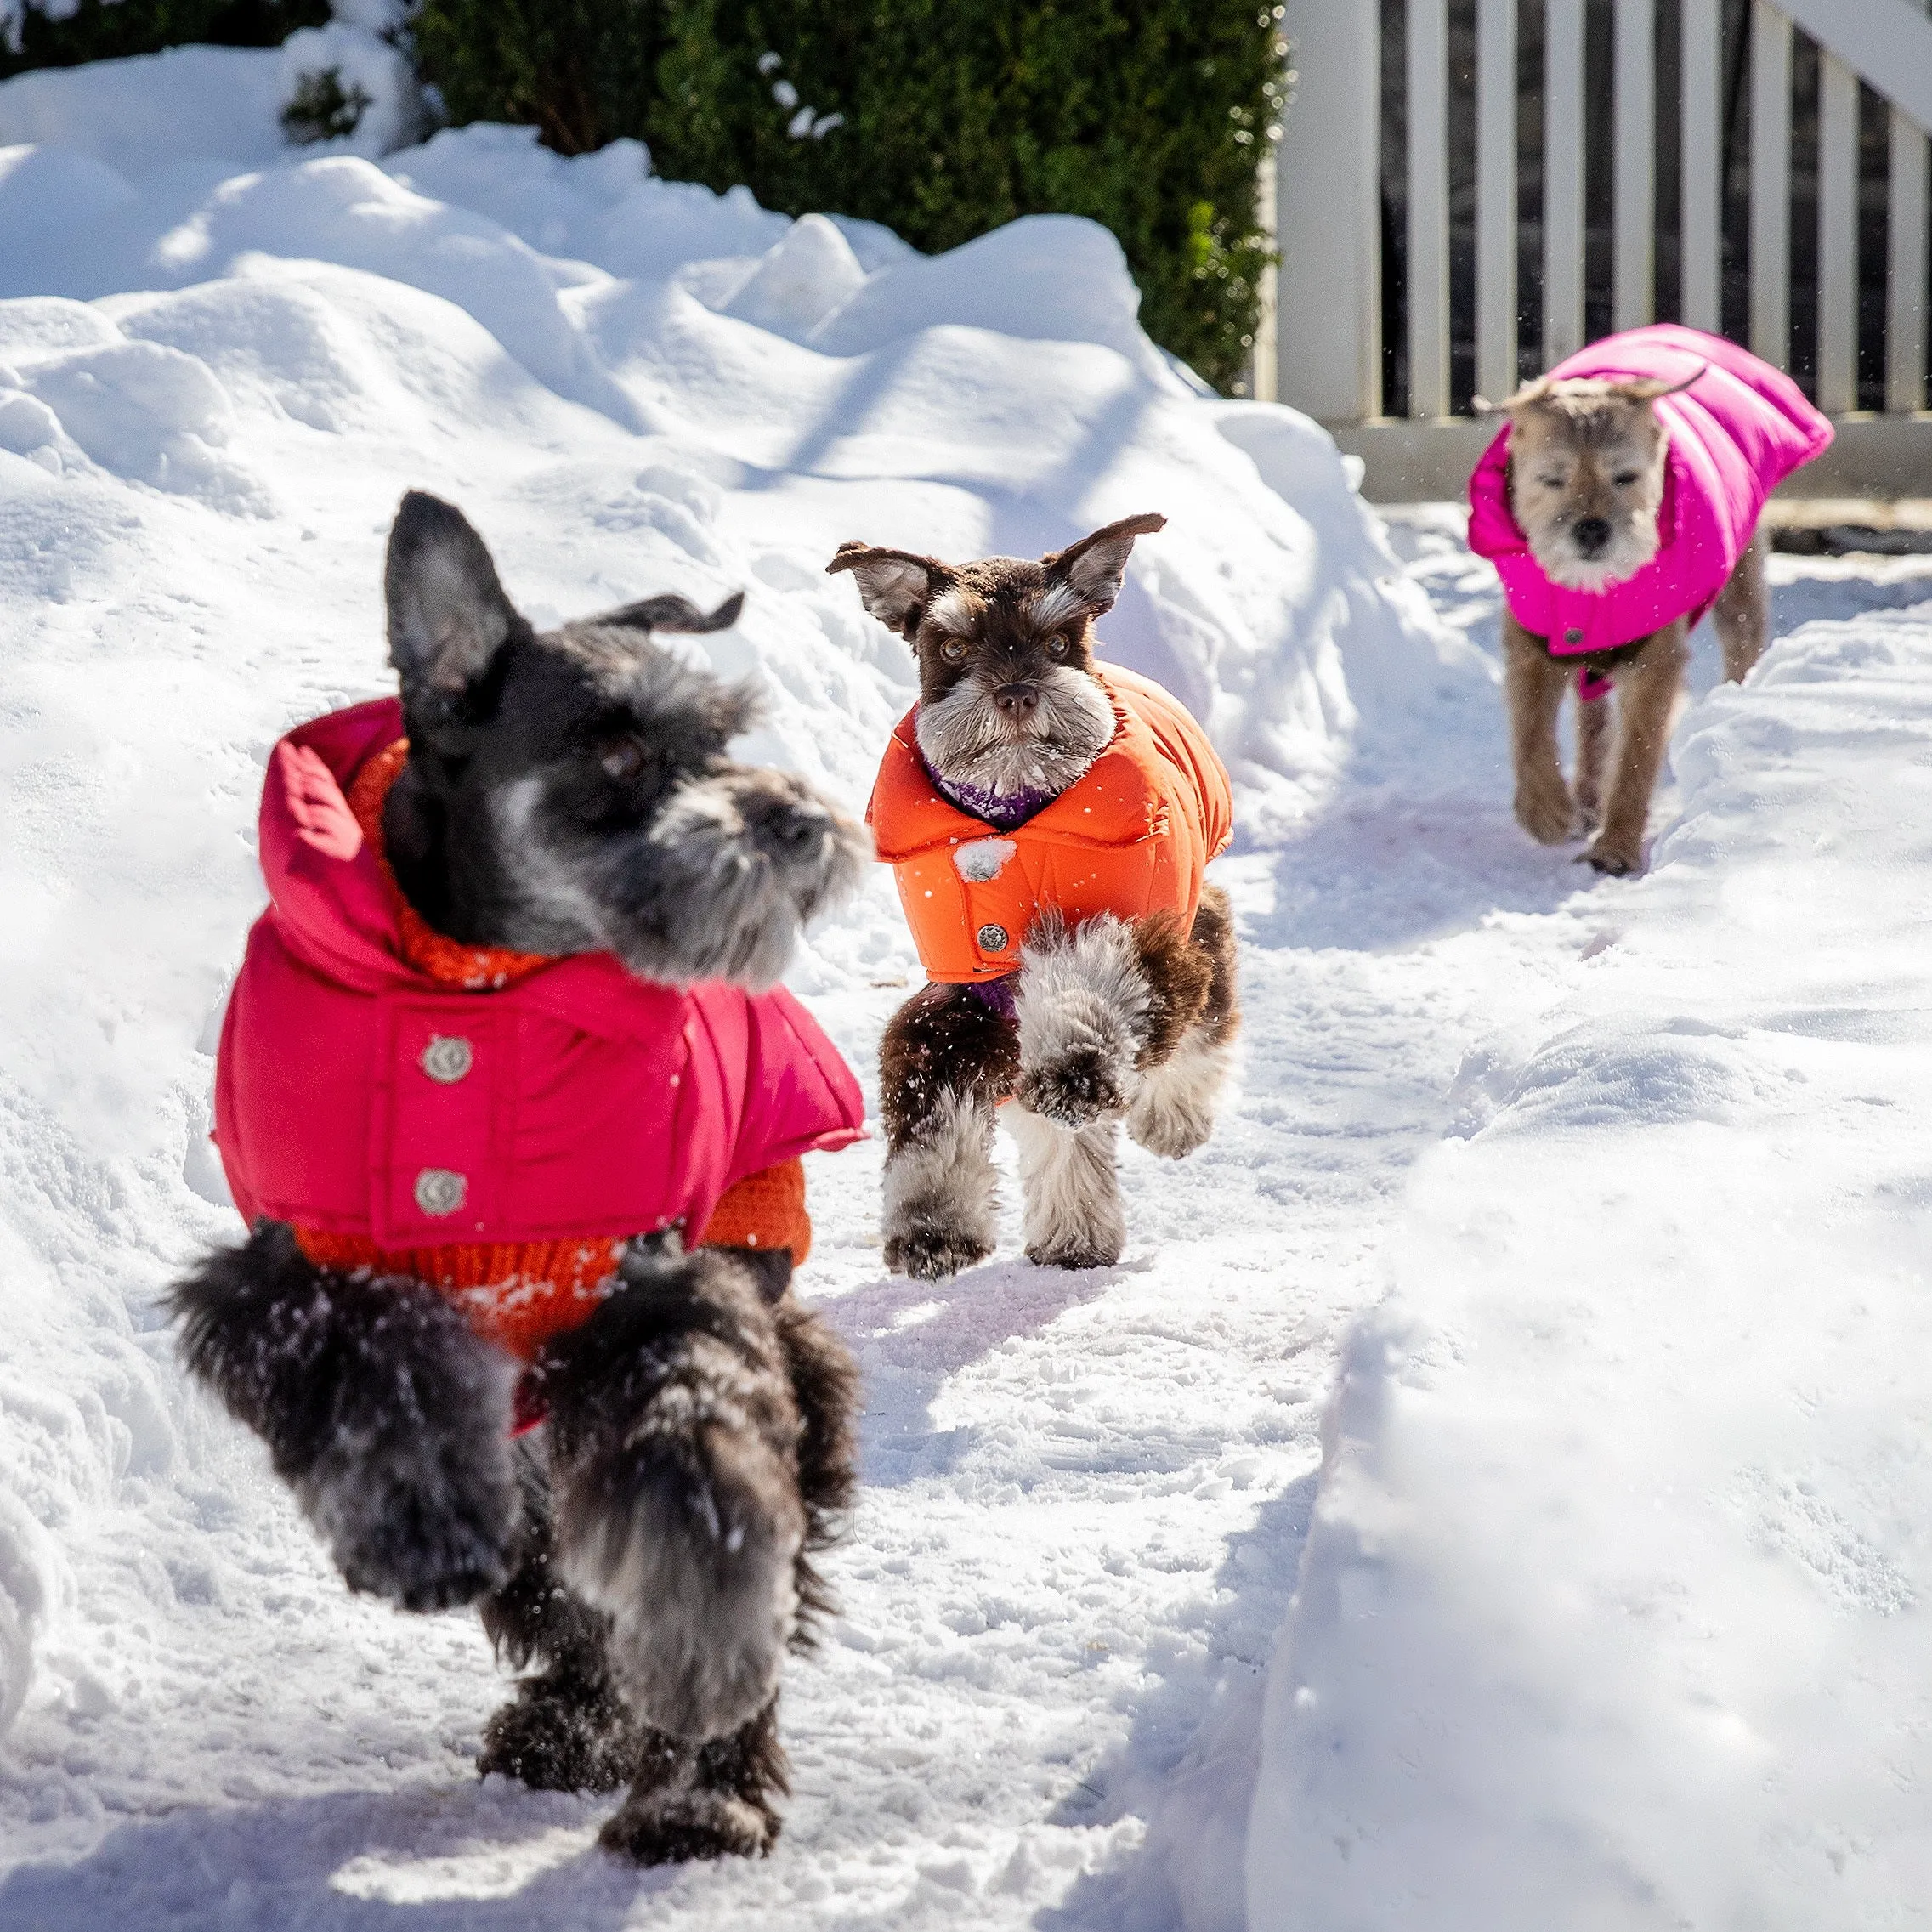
<point x="672" y="613"/>
<point x="895" y="585"/>
<point x="448" y="614"/>
<point x="1092" y="568"/>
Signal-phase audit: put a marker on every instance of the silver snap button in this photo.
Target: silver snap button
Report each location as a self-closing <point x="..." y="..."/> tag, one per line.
<point x="438" y="1190"/>
<point x="992" y="938"/>
<point x="1573" y="637"/>
<point x="448" y="1058"/>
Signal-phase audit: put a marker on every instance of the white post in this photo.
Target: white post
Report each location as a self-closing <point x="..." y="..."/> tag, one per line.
<point x="1328" y="207"/>
<point x="1838" y="237"/>
<point x="1633" y="104"/>
<point x="1771" y="185"/>
<point x="1563" y="181"/>
<point x="1495" y="198"/>
<point x="1428" y="208"/>
<point x="1702" y="149"/>
<point x="1904" y="318"/>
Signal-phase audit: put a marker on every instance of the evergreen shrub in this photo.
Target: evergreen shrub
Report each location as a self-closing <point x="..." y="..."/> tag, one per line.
<point x="107" y="31"/>
<point x="941" y="118"/>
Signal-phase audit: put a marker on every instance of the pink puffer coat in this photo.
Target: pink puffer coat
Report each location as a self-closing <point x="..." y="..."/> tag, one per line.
<point x="1735" y="433"/>
<point x="356" y="1094"/>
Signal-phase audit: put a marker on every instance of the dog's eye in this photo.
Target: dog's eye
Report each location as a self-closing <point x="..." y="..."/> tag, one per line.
<point x="1552" y="481"/>
<point x="1624" y="477"/>
<point x="1058" y="647"/>
<point x="622" y="758"/>
<point x="954" y="650"/>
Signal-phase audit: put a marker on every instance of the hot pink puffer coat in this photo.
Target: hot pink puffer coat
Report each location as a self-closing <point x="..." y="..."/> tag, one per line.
<point x="580" y="1102"/>
<point x="1735" y="433"/>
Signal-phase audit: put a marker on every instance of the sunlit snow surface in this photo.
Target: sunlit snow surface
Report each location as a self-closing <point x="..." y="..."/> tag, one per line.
<point x="1087" y="1495"/>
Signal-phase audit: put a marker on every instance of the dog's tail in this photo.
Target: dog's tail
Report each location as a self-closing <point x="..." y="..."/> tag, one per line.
<point x="679" y="1514"/>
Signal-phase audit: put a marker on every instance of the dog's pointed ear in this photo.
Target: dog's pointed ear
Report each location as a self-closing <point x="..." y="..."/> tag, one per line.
<point x="1649" y="388"/>
<point x="448" y="614"/>
<point x="897" y="586"/>
<point x="1531" y="392"/>
<point x="672" y="613"/>
<point x="1092" y="568"/>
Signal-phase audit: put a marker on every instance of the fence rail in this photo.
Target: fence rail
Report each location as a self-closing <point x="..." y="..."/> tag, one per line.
<point x="1402" y="233"/>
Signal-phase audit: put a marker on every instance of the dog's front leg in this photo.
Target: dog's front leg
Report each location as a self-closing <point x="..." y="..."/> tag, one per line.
<point x="677" y="1435"/>
<point x="1072" y="1191"/>
<point x="1533" y="684"/>
<point x="1647" y="688"/>
<point x="1086" y="1010"/>
<point x="946" y="1058"/>
<point x="384" y="1413"/>
<point x="709" y="1800"/>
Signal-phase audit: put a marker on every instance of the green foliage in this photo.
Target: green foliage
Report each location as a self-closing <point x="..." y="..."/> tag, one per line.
<point x="322" y="109"/>
<point x="953" y="117"/>
<point x="100" y="31"/>
<point x="581" y="71"/>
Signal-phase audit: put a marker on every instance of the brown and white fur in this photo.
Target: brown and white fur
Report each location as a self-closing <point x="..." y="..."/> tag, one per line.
<point x="1117" y="1021"/>
<point x="1587" y="464"/>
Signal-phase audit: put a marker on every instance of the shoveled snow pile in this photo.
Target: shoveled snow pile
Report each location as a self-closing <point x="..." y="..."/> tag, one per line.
<point x="220" y="365"/>
<point x="1613" y="1613"/>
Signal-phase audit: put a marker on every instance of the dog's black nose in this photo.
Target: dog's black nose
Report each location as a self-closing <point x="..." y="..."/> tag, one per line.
<point x="1017" y="700"/>
<point x="1591" y="534"/>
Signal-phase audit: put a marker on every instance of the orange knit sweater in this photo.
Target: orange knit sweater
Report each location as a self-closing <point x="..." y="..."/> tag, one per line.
<point x="518" y="1294"/>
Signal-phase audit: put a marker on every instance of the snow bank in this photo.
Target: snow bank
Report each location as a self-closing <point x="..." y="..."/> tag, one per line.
<point x="220" y="367"/>
<point x="1613" y="1613"/>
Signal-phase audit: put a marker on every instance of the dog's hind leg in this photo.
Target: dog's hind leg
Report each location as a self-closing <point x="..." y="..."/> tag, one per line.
<point x="1742" y="613"/>
<point x="946" y="1058"/>
<point x="1534" y="685"/>
<point x="1192" y="1045"/>
<point x="568" y="1727"/>
<point x="1647" y="687"/>
<point x="1594" y="719"/>
<point x="380" y="1410"/>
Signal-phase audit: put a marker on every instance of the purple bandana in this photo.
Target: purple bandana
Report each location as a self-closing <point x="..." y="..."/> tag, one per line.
<point x="1002" y="809"/>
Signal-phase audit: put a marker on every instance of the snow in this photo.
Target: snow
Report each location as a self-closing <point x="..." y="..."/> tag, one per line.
<point x="1616" y="1589"/>
<point x="1600" y="1568"/>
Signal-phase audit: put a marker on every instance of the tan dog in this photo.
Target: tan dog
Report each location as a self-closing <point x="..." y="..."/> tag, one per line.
<point x="1586" y="461"/>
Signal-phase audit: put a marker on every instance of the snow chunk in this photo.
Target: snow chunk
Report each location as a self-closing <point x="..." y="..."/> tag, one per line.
<point x="980" y="861"/>
<point x="802" y="279"/>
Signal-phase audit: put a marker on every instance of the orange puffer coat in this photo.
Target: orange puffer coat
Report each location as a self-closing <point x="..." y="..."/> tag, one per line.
<point x="1131" y="837"/>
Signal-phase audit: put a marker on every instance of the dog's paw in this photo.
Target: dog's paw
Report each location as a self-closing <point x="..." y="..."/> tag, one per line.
<point x="552" y="1741"/>
<point x="1547" y="812"/>
<point x="1074" y="1251"/>
<point x="660" y="1827"/>
<point x="410" y="1539"/>
<point x="931" y="1254"/>
<point x="1075" y="1090"/>
<point x="1615" y="858"/>
<point x="1172" y="1130"/>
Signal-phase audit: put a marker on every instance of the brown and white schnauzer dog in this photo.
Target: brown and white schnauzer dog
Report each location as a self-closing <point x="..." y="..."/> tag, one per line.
<point x="648" y="1544"/>
<point x="1082" y="1018"/>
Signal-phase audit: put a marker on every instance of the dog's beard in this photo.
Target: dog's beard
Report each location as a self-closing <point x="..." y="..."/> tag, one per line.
<point x="717" y="887"/>
<point x="1628" y="551"/>
<point x="966" y="742"/>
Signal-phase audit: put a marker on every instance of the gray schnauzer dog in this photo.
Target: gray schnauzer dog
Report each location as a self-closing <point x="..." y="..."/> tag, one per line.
<point x="648" y="1544"/>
